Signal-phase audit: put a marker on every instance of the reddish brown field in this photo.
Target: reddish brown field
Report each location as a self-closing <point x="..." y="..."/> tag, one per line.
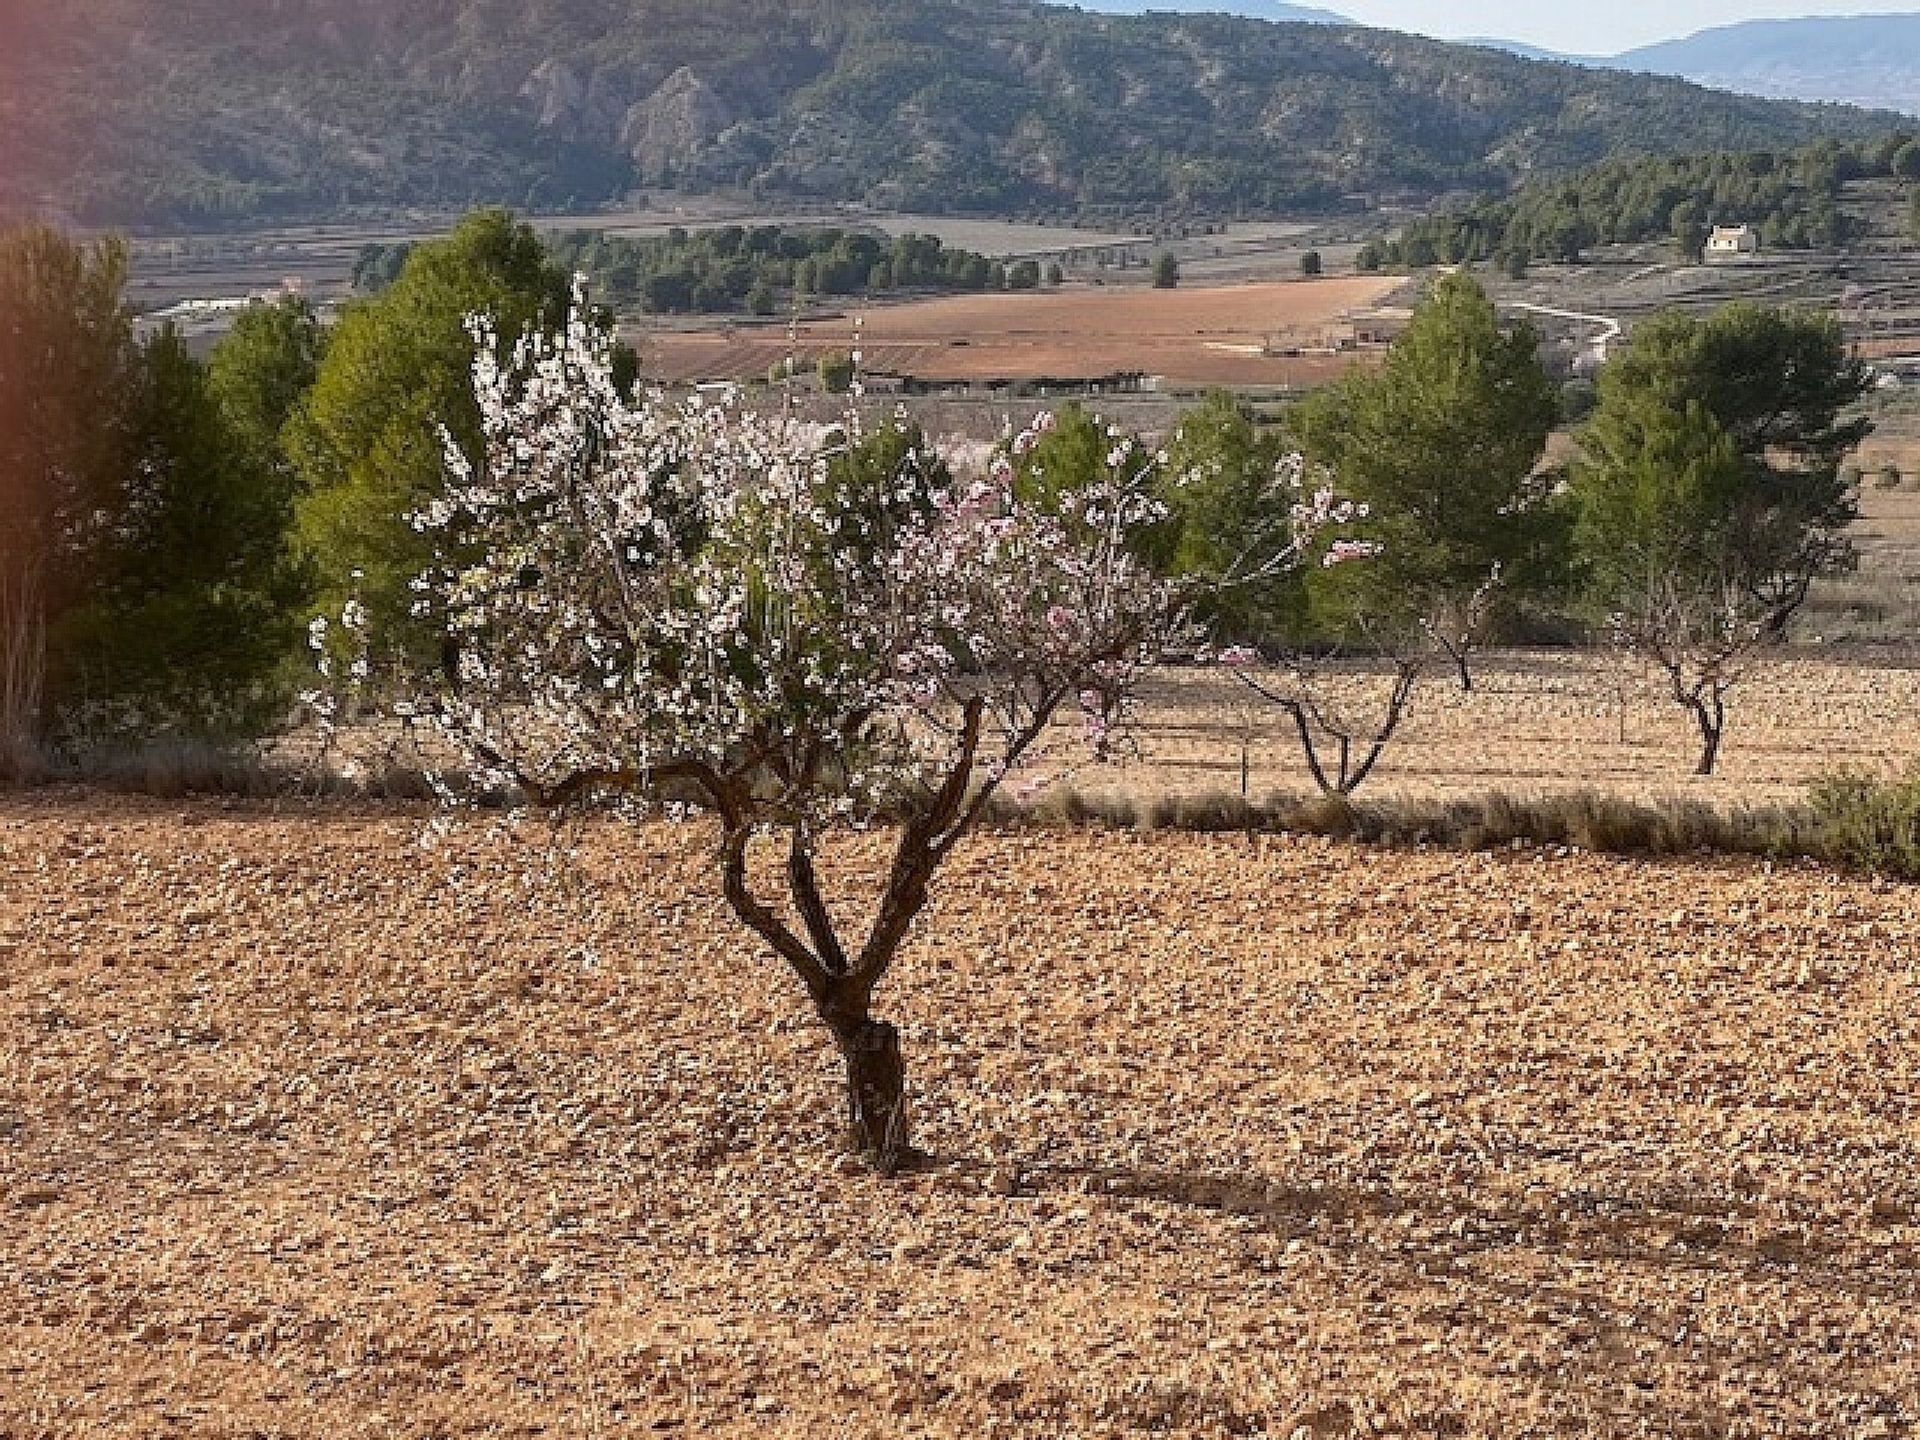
<point x="305" y="1130"/>
<point x="1192" y="336"/>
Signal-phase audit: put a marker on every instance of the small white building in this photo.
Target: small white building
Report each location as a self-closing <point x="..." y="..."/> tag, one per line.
<point x="1731" y="242"/>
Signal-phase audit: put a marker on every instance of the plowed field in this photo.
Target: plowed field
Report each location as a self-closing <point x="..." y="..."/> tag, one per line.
<point x="307" y="1130"/>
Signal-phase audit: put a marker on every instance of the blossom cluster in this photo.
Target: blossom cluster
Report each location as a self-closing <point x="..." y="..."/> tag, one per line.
<point x="645" y="588"/>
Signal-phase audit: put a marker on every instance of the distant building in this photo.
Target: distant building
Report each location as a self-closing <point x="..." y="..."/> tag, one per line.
<point x="1730" y="242"/>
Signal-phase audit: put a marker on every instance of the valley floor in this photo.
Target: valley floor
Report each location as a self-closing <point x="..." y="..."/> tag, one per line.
<point x="310" y="1129"/>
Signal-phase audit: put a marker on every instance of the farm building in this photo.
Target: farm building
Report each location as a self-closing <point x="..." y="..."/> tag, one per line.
<point x="1731" y="242"/>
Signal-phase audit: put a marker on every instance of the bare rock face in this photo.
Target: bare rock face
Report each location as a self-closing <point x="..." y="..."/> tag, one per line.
<point x="555" y="94"/>
<point x="578" y="109"/>
<point x="673" y="123"/>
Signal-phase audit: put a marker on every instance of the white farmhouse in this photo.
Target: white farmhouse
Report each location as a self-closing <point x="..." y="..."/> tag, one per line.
<point x="1730" y="242"/>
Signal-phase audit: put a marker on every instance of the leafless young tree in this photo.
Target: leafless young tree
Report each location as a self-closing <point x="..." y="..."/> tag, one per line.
<point x="1344" y="720"/>
<point x="1705" y="638"/>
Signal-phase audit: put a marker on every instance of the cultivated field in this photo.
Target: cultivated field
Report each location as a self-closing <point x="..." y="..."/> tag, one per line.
<point x="1537" y="723"/>
<point x="1276" y="1138"/>
<point x="1219" y="336"/>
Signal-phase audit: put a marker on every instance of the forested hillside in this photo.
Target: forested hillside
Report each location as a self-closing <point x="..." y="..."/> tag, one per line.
<point x="214" y="111"/>
<point x="1793" y="198"/>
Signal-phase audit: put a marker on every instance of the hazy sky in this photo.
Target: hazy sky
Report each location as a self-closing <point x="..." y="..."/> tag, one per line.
<point x="1587" y="28"/>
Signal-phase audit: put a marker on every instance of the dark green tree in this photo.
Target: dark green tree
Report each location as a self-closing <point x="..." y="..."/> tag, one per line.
<point x="67" y="362"/>
<point x="1166" y="271"/>
<point x="366" y="441"/>
<point x="198" y="600"/>
<point x="1312" y="263"/>
<point x="1443" y="445"/>
<point x="1710" y="494"/>
<point x="836" y="372"/>
<point x="1782" y="386"/>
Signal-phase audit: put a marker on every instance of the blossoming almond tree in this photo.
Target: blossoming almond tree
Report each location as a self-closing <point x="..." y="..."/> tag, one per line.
<point x="654" y="605"/>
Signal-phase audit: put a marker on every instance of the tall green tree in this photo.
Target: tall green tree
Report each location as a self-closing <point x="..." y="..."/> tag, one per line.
<point x="1443" y="446"/>
<point x="197" y="600"/>
<point x="366" y="442"/>
<point x="1709" y="492"/>
<point x="66" y="357"/>
<point x="1782" y="385"/>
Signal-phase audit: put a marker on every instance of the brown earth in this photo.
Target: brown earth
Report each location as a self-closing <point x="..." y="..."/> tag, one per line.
<point x="1193" y="336"/>
<point x="310" y="1130"/>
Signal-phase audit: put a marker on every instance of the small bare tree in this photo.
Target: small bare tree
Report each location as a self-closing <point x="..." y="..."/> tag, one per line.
<point x="1344" y="721"/>
<point x="1705" y="637"/>
<point x="1456" y="622"/>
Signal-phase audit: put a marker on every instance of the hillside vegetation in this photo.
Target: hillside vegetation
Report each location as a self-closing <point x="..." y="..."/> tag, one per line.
<point x="226" y="112"/>
<point x="1793" y="197"/>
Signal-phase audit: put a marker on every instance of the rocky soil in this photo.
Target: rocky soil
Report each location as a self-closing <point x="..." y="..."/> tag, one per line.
<point x="307" y="1129"/>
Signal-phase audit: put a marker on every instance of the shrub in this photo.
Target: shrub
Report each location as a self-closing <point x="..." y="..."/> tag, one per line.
<point x="1868" y="823"/>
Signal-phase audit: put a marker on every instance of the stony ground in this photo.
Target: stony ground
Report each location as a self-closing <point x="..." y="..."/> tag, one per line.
<point x="305" y="1130"/>
<point x="1536" y="724"/>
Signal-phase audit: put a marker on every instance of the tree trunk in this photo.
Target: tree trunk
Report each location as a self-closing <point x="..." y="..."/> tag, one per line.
<point x="1465" y="668"/>
<point x="23" y="666"/>
<point x="876" y="1090"/>
<point x="1713" y="725"/>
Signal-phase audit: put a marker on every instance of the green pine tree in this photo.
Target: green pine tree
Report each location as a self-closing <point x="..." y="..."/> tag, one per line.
<point x="1444" y="445"/>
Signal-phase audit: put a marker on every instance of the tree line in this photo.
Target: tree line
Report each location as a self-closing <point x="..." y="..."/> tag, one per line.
<point x="172" y="525"/>
<point x="753" y="270"/>
<point x="1793" y="197"/>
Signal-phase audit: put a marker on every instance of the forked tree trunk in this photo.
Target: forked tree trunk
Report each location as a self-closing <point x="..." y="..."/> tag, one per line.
<point x="1464" y="667"/>
<point x="877" y="1118"/>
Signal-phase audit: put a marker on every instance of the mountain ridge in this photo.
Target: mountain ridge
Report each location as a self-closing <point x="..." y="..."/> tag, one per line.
<point x="234" y="111"/>
<point x="1854" y="59"/>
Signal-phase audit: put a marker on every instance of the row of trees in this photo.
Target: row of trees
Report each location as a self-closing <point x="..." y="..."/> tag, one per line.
<point x="1704" y="499"/>
<point x="147" y="573"/>
<point x="173" y="523"/>
<point x="601" y="597"/>
<point x="168" y="525"/>
<point x="735" y="269"/>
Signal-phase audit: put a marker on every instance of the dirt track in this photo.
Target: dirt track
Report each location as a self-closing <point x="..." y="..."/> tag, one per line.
<point x="1229" y="1139"/>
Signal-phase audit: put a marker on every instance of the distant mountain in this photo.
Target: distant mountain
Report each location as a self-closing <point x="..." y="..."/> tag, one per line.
<point x="231" y="111"/>
<point x="1871" y="60"/>
<point x="1271" y="10"/>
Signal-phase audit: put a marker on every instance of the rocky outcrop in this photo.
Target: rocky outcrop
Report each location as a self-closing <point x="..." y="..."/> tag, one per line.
<point x="593" y="108"/>
<point x="671" y="125"/>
